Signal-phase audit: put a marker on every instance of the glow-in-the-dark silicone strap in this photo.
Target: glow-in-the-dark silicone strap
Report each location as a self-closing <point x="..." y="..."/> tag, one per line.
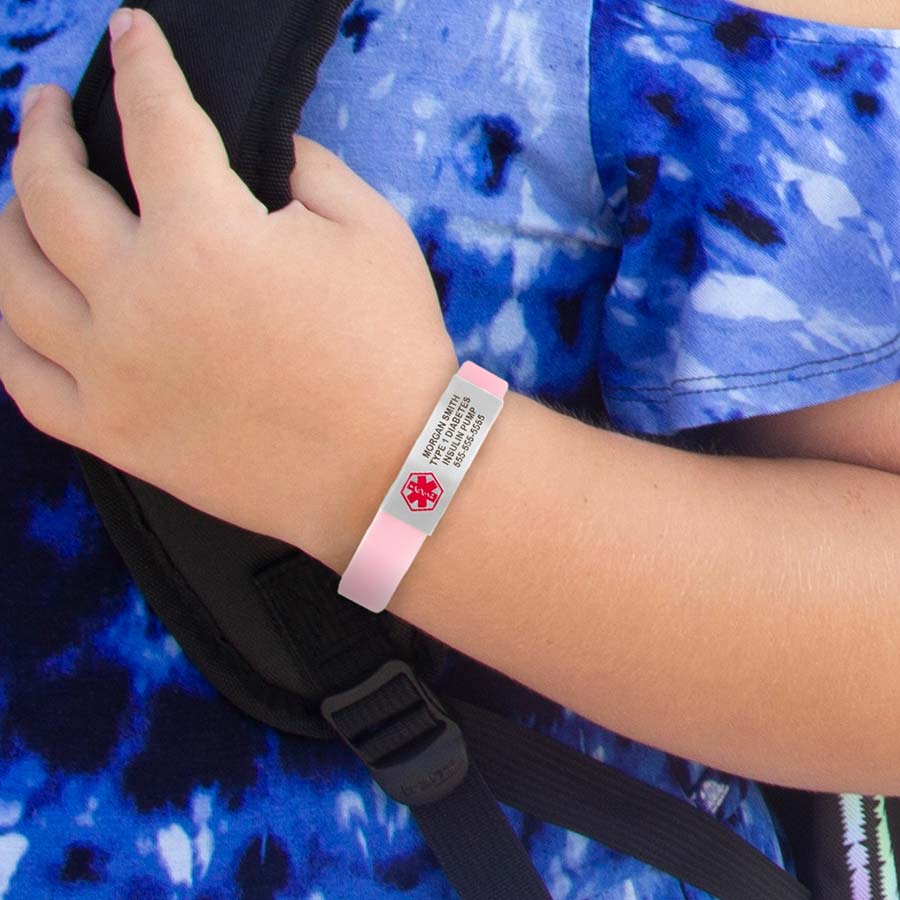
<point x="423" y="489"/>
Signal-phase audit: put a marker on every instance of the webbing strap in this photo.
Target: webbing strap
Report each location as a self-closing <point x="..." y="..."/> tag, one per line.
<point x="394" y="724"/>
<point x="557" y="784"/>
<point x="477" y="847"/>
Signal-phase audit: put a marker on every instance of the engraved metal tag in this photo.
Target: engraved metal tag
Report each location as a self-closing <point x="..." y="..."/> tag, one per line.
<point x="441" y="454"/>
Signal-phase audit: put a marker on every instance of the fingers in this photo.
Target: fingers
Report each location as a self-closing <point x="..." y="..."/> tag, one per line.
<point x="327" y="186"/>
<point x="45" y="393"/>
<point x="43" y="308"/>
<point x="175" y="153"/>
<point x="76" y="217"/>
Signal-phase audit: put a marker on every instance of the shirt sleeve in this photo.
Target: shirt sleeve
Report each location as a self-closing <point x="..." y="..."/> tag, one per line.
<point x="752" y="161"/>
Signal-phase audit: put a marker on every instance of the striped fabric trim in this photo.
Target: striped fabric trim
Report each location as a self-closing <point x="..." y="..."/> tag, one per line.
<point x="856" y="849"/>
<point x="868" y="848"/>
<point x="887" y="870"/>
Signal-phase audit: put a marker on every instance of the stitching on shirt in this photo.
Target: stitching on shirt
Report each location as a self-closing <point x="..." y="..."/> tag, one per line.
<point x="784" y="37"/>
<point x="803" y="365"/>
<point x="621" y="394"/>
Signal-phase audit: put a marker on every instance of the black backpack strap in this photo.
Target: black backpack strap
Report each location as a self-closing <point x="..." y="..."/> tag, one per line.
<point x="422" y="746"/>
<point x="476" y="847"/>
<point x="557" y="784"/>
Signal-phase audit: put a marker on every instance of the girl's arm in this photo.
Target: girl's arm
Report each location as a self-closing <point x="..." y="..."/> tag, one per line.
<point x="863" y="429"/>
<point x="863" y="13"/>
<point x="738" y="611"/>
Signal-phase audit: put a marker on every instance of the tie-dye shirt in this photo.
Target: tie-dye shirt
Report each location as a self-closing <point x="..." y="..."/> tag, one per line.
<point x="679" y="211"/>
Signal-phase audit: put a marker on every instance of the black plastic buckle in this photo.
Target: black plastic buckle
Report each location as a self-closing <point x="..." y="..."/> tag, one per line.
<point x="429" y="764"/>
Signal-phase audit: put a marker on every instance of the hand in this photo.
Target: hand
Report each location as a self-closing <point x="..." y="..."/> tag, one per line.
<point x="268" y="369"/>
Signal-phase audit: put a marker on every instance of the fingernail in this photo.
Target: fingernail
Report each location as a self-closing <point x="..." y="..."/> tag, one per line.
<point x="119" y="22"/>
<point x="30" y="98"/>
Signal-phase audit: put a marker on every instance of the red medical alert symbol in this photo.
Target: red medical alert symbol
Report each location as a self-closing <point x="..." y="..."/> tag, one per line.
<point x="422" y="491"/>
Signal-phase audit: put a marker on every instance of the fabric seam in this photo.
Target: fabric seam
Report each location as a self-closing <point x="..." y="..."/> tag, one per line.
<point x="620" y="394"/>
<point x="803" y="365"/>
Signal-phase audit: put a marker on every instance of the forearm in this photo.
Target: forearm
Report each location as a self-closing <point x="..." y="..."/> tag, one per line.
<point x="865" y="13"/>
<point x="742" y="612"/>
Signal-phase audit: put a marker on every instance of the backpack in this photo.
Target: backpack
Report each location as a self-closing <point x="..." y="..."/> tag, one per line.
<point x="264" y="623"/>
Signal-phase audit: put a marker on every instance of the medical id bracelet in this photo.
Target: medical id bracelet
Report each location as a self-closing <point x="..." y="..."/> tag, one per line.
<point x="427" y="482"/>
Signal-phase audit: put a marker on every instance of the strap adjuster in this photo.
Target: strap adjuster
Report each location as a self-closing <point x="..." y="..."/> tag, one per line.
<point x="396" y="726"/>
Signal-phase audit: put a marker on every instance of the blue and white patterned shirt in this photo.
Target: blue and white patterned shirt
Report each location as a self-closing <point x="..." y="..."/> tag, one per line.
<point x="683" y="212"/>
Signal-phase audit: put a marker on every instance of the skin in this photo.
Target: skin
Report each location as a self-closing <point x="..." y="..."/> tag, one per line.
<point x="736" y="609"/>
<point x="865" y="13"/>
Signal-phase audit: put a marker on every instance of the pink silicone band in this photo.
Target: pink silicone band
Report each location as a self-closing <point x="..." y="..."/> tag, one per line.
<point x="487" y="381"/>
<point x="384" y="554"/>
<point x="389" y="546"/>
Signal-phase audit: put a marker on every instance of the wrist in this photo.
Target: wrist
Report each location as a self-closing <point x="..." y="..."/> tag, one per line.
<point x="376" y="459"/>
<point x="494" y="503"/>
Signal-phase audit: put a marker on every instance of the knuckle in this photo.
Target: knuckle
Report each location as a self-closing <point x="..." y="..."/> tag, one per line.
<point x="8" y="384"/>
<point x="112" y="424"/>
<point x="38" y="185"/>
<point x="148" y="104"/>
<point x="202" y="242"/>
<point x="21" y="162"/>
<point x="55" y="91"/>
<point x="111" y="429"/>
<point x="202" y="248"/>
<point x="30" y="406"/>
<point x="40" y="419"/>
<point x="9" y="307"/>
<point x="31" y="150"/>
<point x="383" y="218"/>
<point x="116" y="360"/>
<point x="395" y="219"/>
<point x="7" y="264"/>
<point x="117" y="430"/>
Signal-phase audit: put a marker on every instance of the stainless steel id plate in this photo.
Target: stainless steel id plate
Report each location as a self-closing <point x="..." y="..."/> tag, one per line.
<point x="441" y="454"/>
